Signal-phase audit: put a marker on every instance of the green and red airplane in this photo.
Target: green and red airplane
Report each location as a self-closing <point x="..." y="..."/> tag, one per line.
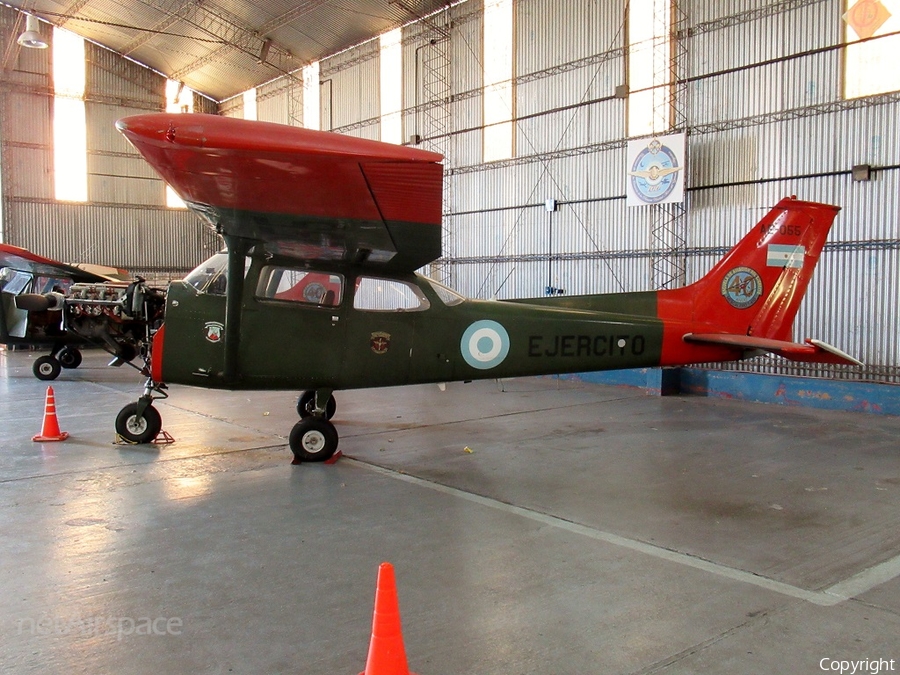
<point x="318" y="291"/>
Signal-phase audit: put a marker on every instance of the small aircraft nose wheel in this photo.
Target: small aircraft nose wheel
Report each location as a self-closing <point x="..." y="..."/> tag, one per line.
<point x="46" y="368"/>
<point x="69" y="357"/>
<point x="306" y="405"/>
<point x="313" y="440"/>
<point x="136" y="428"/>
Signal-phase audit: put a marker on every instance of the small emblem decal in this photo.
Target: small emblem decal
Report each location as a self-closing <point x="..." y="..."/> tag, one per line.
<point x="485" y="344"/>
<point x="213" y="331"/>
<point x="742" y="287"/>
<point x="380" y="342"/>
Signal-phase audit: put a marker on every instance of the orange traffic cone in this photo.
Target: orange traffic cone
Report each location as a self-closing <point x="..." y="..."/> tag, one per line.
<point x="50" y="430"/>
<point x="386" y="653"/>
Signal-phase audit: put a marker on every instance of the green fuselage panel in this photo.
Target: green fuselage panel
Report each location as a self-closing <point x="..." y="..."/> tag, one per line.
<point x="289" y="346"/>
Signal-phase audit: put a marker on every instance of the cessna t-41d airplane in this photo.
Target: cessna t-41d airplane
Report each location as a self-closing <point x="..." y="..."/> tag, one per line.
<point x="317" y="289"/>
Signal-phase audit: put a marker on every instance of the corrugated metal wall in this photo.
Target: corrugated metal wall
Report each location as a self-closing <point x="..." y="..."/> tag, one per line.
<point x="125" y="222"/>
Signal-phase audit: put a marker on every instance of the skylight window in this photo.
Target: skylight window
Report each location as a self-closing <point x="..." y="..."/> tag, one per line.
<point x="649" y="67"/>
<point x="250" y="112"/>
<point x="498" y="75"/>
<point x="391" y="86"/>
<point x="69" y="125"/>
<point x="179" y="99"/>
<point x="311" y="109"/>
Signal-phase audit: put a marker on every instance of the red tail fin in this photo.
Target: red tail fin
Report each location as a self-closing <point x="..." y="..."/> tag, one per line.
<point x="757" y="287"/>
<point x="748" y="301"/>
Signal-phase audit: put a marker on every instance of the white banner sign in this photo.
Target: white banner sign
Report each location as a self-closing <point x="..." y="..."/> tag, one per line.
<point x="655" y="171"/>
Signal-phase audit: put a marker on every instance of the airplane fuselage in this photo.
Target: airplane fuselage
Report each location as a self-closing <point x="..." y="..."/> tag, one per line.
<point x="292" y="343"/>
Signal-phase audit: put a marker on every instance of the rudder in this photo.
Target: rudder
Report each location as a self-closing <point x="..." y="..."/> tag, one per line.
<point x="757" y="287"/>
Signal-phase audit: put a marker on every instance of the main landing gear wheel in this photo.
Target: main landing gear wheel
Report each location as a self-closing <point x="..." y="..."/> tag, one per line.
<point x="46" y="368"/>
<point x="313" y="439"/>
<point x="306" y="405"/>
<point x="69" y="358"/>
<point x="138" y="429"/>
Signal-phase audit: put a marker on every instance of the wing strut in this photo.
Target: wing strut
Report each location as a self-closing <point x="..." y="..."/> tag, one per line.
<point x="237" y="252"/>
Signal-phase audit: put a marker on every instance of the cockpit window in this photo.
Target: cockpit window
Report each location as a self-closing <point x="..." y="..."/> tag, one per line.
<point x="15" y="281"/>
<point x="448" y="296"/>
<point x="209" y="277"/>
<point x="313" y="288"/>
<point x="388" y="295"/>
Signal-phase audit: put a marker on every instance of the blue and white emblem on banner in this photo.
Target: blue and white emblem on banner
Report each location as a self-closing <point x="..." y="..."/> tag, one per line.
<point x="485" y="344"/>
<point x="655" y="173"/>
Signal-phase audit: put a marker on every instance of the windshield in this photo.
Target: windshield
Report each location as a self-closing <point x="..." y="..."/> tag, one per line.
<point x="209" y="277"/>
<point x="449" y="297"/>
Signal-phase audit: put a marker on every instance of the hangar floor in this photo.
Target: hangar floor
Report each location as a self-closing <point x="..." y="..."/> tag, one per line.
<point x="535" y="526"/>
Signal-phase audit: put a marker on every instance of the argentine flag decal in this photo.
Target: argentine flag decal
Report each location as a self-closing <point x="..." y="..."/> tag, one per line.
<point x="785" y="256"/>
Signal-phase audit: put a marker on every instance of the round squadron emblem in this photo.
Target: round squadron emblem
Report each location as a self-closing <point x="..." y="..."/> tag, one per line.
<point x="742" y="287"/>
<point x="654" y="173"/>
<point x="485" y="344"/>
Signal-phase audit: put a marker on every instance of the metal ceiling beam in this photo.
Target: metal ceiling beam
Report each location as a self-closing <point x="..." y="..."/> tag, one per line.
<point x="301" y="9"/>
<point x="221" y="25"/>
<point x="70" y="12"/>
<point x="179" y="11"/>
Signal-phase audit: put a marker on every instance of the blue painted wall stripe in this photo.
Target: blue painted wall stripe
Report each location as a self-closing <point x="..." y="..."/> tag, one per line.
<point x="810" y="392"/>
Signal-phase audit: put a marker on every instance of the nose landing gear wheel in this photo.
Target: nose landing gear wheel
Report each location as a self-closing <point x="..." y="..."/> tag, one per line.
<point x="138" y="429"/>
<point x="313" y="439"/>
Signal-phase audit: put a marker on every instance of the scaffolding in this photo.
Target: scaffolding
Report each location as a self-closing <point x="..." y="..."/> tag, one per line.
<point x="434" y="118"/>
<point x="668" y="222"/>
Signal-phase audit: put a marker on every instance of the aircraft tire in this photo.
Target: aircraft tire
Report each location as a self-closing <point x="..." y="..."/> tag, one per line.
<point x="69" y="357"/>
<point x="313" y="439"/>
<point x="46" y="368"/>
<point x="307" y="402"/>
<point x="136" y="429"/>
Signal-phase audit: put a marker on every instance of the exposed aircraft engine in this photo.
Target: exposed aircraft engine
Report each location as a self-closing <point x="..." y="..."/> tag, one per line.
<point x="123" y="316"/>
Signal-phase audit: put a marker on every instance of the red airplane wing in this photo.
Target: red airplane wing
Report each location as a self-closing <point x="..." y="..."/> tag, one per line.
<point x="309" y="194"/>
<point x="24" y="260"/>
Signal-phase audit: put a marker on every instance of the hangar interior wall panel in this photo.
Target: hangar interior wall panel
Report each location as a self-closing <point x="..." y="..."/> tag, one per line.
<point x="125" y="222"/>
<point x="118" y="81"/>
<point x="466" y="49"/>
<point x="276" y="100"/>
<point x="134" y="238"/>
<point x="552" y="33"/>
<point x="354" y="92"/>
<point x="233" y="107"/>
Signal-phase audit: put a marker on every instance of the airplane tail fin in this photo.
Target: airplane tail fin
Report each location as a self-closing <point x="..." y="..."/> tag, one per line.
<point x="750" y="297"/>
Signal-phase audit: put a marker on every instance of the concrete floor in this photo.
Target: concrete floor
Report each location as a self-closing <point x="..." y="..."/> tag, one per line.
<point x="590" y="530"/>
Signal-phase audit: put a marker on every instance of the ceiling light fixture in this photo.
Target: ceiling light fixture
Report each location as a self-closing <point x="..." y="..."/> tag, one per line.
<point x="32" y="35"/>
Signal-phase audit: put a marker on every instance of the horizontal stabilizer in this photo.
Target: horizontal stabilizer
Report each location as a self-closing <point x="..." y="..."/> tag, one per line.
<point x="813" y="351"/>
